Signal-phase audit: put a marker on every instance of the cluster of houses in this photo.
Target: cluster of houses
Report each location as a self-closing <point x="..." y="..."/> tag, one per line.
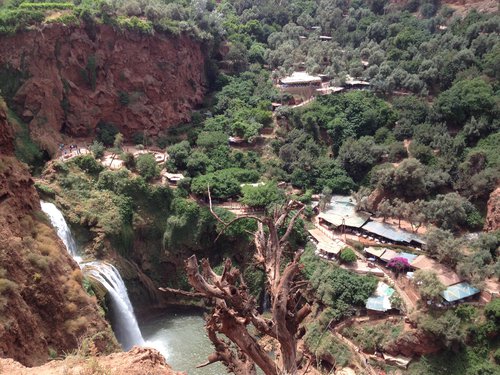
<point x="302" y="83"/>
<point x="341" y="220"/>
<point x="341" y="215"/>
<point x="456" y="290"/>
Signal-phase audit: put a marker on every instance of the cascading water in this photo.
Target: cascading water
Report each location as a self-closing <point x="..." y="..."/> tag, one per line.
<point x="57" y="219"/>
<point x="125" y="324"/>
<point x="126" y="328"/>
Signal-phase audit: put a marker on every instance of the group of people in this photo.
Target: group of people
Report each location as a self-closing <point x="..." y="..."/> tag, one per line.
<point x="72" y="147"/>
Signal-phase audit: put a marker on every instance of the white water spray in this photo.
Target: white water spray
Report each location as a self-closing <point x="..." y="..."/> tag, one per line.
<point x="126" y="328"/>
<point x="125" y="324"/>
<point x="57" y="219"/>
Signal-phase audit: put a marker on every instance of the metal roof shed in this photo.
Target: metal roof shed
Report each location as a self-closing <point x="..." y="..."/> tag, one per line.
<point x="408" y="256"/>
<point x="387" y="231"/>
<point x="388" y="255"/>
<point x="459" y="291"/>
<point x="379" y="300"/>
<point x="376" y="252"/>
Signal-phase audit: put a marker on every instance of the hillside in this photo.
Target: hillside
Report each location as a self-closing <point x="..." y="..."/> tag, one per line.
<point x="44" y="309"/>
<point x="321" y="177"/>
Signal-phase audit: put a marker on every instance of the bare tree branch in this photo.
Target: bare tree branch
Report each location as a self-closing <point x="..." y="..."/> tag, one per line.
<point x="236" y="309"/>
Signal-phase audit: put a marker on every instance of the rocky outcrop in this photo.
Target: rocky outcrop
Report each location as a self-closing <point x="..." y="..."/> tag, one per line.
<point x="492" y="221"/>
<point x="138" y="361"/>
<point x="70" y="78"/>
<point x="6" y="134"/>
<point x="44" y="309"/>
<point x="413" y="343"/>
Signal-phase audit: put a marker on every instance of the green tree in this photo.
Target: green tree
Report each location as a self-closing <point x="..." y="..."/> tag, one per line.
<point x="465" y="99"/>
<point x="147" y="166"/>
<point x="212" y="139"/>
<point x="407" y="180"/>
<point x="347" y="255"/>
<point x="223" y="185"/>
<point x="428" y="284"/>
<point x="357" y="157"/>
<point x="262" y="195"/>
<point x="178" y="154"/>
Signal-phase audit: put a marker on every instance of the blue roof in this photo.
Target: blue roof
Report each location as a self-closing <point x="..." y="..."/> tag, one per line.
<point x="378" y="303"/>
<point x="342" y="211"/>
<point x="409" y="257"/>
<point x="379" y="300"/>
<point x="459" y="291"/>
<point x="391" y="232"/>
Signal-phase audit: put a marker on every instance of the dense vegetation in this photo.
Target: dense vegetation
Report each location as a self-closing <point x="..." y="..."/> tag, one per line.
<point x="424" y="138"/>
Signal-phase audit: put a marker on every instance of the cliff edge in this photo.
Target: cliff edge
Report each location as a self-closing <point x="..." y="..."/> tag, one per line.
<point x="138" y="361"/>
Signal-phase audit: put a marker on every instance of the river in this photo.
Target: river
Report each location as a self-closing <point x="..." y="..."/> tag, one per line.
<point x="181" y="337"/>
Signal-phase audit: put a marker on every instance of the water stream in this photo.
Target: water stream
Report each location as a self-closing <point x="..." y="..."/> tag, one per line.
<point x="124" y="322"/>
<point x="125" y="325"/>
<point x="180" y="336"/>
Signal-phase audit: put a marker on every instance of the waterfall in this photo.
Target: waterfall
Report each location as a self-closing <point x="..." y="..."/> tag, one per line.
<point x="125" y="324"/>
<point x="126" y="328"/>
<point x="57" y="219"/>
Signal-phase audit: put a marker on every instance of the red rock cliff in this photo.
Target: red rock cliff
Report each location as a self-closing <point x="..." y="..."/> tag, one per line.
<point x="75" y="78"/>
<point x="492" y="221"/>
<point x="43" y="307"/>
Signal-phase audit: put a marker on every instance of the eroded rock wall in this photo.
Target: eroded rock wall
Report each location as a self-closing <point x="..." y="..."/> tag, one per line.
<point x="44" y="309"/>
<point x="69" y="78"/>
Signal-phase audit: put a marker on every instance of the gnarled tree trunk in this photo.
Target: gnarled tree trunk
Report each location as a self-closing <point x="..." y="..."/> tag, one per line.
<point x="236" y="309"/>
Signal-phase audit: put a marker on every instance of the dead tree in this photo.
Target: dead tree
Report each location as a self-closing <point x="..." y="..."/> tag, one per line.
<point x="235" y="309"/>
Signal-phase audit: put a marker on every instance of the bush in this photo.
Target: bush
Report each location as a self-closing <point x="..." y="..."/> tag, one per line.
<point x="147" y="166"/>
<point x="97" y="148"/>
<point x="129" y="160"/>
<point x="347" y="255"/>
<point x="88" y="164"/>
<point x="105" y="133"/>
<point x="45" y="190"/>
<point x="135" y="24"/>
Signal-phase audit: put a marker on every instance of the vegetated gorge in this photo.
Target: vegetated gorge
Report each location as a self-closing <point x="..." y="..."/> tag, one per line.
<point x="272" y="187"/>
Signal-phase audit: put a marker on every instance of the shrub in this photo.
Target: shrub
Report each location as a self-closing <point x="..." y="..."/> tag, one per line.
<point x="75" y="326"/>
<point x="321" y="343"/>
<point x="135" y="24"/>
<point x="39" y="261"/>
<point x="7" y="286"/>
<point x="492" y="310"/>
<point x="88" y="164"/>
<point x="347" y="255"/>
<point x="129" y="160"/>
<point x="46" y="6"/>
<point x="123" y="98"/>
<point x="44" y="190"/>
<point x="106" y="133"/>
<point x="97" y="148"/>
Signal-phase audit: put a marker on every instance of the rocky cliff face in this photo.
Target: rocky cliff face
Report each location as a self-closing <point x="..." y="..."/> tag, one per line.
<point x="43" y="307"/>
<point x="67" y="79"/>
<point x="138" y="361"/>
<point x="492" y="221"/>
